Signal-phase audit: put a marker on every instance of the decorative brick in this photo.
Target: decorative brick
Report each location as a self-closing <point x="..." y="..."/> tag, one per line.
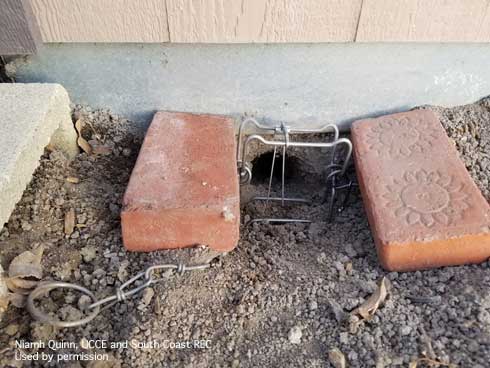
<point x="423" y="207"/>
<point x="183" y="190"/>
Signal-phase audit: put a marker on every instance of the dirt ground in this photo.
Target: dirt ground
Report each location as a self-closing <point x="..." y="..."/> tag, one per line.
<point x="281" y="299"/>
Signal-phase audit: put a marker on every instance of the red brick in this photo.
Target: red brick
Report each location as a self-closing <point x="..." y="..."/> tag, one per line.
<point x="183" y="189"/>
<point x="423" y="207"/>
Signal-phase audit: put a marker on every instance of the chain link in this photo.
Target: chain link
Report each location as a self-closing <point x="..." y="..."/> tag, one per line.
<point x="123" y="292"/>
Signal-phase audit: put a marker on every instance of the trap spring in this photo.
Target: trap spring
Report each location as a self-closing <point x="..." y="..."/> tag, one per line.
<point x="122" y="293"/>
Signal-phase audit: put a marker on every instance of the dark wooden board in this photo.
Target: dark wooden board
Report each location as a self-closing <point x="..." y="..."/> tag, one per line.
<point x="19" y="33"/>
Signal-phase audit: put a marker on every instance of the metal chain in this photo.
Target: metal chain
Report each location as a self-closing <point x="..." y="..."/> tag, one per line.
<point x="122" y="293"/>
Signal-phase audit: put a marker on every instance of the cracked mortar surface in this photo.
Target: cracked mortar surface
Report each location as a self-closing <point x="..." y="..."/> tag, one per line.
<point x="280" y="299"/>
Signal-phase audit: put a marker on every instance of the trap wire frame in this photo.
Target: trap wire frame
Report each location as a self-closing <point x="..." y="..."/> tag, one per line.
<point x="281" y="135"/>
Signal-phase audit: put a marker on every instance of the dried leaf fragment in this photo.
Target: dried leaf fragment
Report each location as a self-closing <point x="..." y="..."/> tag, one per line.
<point x="87" y="148"/>
<point x="73" y="180"/>
<point x="20" y="285"/>
<point x="367" y="309"/>
<point x="84" y="145"/>
<point x="27" y="264"/>
<point x="79" y="124"/>
<point x="70" y="221"/>
<point x="337" y="358"/>
<point x="25" y="271"/>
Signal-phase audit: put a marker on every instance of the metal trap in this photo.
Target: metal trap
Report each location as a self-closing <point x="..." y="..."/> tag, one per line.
<point x="338" y="183"/>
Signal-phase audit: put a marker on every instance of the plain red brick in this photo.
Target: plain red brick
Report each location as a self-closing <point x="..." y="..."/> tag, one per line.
<point x="183" y="190"/>
<point x="423" y="207"/>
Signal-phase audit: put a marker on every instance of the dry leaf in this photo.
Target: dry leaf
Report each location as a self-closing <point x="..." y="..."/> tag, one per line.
<point x="25" y="271"/>
<point x="20" y="285"/>
<point x="73" y="180"/>
<point x="367" y="309"/>
<point x="84" y="145"/>
<point x="348" y="267"/>
<point x="337" y="358"/>
<point x="79" y="124"/>
<point x="27" y="264"/>
<point x="69" y="221"/>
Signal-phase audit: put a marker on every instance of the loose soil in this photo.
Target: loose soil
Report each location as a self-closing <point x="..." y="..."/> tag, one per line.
<point x="281" y="299"/>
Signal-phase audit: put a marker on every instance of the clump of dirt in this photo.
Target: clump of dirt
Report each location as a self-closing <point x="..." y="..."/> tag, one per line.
<point x="282" y="298"/>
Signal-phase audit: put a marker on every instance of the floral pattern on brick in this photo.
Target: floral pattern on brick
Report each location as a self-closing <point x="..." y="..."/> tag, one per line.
<point x="426" y="198"/>
<point x="399" y="137"/>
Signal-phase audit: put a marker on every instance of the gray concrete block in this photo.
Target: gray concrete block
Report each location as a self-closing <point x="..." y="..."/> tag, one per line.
<point x="33" y="116"/>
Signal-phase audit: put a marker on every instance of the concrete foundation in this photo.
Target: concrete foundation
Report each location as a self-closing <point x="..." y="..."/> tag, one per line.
<point x="303" y="84"/>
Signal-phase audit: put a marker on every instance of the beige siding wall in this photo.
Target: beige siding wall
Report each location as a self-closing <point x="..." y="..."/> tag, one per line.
<point x="263" y="21"/>
<point x="231" y="21"/>
<point x="102" y="20"/>
<point x="425" y="21"/>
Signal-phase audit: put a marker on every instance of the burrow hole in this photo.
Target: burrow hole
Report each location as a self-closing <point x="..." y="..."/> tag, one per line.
<point x="261" y="168"/>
